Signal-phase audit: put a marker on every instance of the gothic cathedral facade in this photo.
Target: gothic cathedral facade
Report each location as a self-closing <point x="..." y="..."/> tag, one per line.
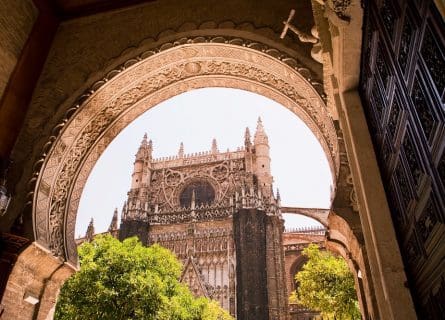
<point x="218" y="213"/>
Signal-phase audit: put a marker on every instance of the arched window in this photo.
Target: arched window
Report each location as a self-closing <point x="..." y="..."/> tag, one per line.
<point x="204" y="193"/>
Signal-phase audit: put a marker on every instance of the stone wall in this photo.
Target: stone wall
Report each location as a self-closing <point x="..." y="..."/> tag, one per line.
<point x="133" y="228"/>
<point x="16" y="21"/>
<point x="276" y="279"/>
<point x="293" y="244"/>
<point x="85" y="49"/>
<point x="250" y="243"/>
<point x="33" y="285"/>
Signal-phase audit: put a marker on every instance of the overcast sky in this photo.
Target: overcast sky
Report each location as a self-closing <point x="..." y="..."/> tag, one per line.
<point x="298" y="163"/>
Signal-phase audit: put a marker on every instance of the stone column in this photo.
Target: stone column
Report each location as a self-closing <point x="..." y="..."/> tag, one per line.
<point x="276" y="281"/>
<point x="34" y="285"/>
<point x="251" y="280"/>
<point x="389" y="279"/>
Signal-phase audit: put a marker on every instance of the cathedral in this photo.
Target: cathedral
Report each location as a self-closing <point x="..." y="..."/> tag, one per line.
<point x="218" y="213"/>
<point x="366" y="77"/>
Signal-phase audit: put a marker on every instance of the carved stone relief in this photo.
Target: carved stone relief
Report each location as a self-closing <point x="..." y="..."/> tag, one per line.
<point x="146" y="80"/>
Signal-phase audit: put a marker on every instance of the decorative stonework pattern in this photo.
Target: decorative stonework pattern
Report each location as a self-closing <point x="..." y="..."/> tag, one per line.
<point x="341" y="7"/>
<point x="98" y="111"/>
<point x="208" y="255"/>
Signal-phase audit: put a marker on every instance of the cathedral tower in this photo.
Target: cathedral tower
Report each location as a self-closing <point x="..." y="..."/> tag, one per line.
<point x="216" y="211"/>
<point x="262" y="158"/>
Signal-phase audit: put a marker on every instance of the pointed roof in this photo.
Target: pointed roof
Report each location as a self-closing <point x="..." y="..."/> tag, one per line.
<point x="144" y="140"/>
<point x="146" y="147"/>
<point x="181" y="150"/>
<point x="260" y="133"/>
<point x="113" y="224"/>
<point x="90" y="230"/>
<point x="191" y="276"/>
<point x="247" y="138"/>
<point x="214" y="146"/>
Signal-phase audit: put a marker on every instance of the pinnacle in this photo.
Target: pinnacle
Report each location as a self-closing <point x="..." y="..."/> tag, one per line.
<point x="214" y="146"/>
<point x="260" y="134"/>
<point x="259" y="126"/>
<point x="247" y="133"/>
<point x="181" y="150"/>
<point x="247" y="142"/>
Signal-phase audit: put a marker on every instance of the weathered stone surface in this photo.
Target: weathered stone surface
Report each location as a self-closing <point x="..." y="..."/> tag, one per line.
<point x="38" y="276"/>
<point x="16" y="21"/>
<point x="85" y="49"/>
<point x="250" y="239"/>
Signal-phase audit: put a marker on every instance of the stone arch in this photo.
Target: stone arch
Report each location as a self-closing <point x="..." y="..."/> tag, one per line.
<point x="345" y="43"/>
<point x="345" y="238"/>
<point x="143" y="82"/>
<point x="319" y="215"/>
<point x="295" y="268"/>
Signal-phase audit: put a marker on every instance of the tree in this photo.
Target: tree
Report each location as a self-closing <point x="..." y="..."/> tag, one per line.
<point x="125" y="280"/>
<point x="325" y="284"/>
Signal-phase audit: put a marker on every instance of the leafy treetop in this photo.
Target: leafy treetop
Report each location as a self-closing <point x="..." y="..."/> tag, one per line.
<point x="325" y="284"/>
<point x="126" y="280"/>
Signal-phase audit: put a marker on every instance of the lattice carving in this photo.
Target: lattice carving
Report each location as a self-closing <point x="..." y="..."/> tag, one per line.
<point x="388" y="17"/>
<point x="434" y="57"/>
<point x="427" y="220"/>
<point x="409" y="59"/>
<point x="422" y="107"/>
<point x="405" y="42"/>
<point x="412" y="160"/>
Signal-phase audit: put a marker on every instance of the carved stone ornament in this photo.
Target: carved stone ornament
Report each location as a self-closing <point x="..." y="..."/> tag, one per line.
<point x="138" y="85"/>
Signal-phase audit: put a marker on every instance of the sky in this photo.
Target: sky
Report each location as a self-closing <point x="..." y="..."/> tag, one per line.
<point x="298" y="163"/>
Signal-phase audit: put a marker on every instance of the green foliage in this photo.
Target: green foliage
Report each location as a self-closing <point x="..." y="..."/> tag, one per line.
<point x="325" y="284"/>
<point x="125" y="280"/>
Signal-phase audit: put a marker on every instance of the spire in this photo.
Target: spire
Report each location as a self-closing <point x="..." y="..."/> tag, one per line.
<point x="260" y="134"/>
<point x="247" y="141"/>
<point x="214" y="146"/>
<point x="145" y="149"/>
<point x="278" y="197"/>
<point x="113" y="224"/>
<point x="90" y="231"/>
<point x="181" y="150"/>
<point x="124" y="211"/>
<point x="144" y="140"/>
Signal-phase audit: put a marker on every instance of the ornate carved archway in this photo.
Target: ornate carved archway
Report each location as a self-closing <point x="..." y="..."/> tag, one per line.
<point x="142" y="83"/>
